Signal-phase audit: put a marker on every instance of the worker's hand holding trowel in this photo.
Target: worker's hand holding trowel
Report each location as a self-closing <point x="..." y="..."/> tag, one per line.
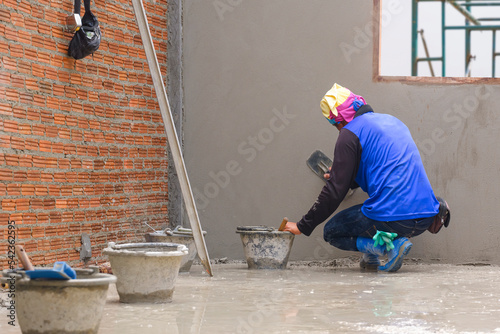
<point x="327" y="175"/>
<point x="292" y="227"/>
<point x="289" y="227"/>
<point x="321" y="165"/>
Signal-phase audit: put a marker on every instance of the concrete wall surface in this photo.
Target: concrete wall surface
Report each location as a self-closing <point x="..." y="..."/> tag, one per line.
<point x="255" y="72"/>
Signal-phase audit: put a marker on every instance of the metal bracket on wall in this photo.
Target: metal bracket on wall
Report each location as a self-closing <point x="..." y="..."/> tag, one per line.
<point x="86" y="250"/>
<point x="172" y="138"/>
<point x="74" y="21"/>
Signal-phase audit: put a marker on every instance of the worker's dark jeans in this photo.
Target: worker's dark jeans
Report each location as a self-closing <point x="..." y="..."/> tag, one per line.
<point x="346" y="226"/>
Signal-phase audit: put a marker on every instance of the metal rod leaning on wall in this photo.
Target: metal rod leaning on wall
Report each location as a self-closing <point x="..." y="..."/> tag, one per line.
<point x="173" y="140"/>
<point x="421" y="31"/>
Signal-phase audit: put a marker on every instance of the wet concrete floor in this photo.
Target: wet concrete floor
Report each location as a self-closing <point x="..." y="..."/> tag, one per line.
<point x="417" y="299"/>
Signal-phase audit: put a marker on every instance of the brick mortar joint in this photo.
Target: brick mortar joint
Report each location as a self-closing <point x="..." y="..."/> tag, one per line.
<point x="91" y="75"/>
<point x="94" y="209"/>
<point x="10" y="197"/>
<point x="129" y="124"/>
<point x="83" y="228"/>
<point x="86" y="143"/>
<point x="58" y="170"/>
<point x="26" y="121"/>
<point x="121" y="98"/>
<point x="103" y="196"/>
<point x="135" y="179"/>
<point x="96" y="10"/>
<point x="110" y="183"/>
<point x="99" y="222"/>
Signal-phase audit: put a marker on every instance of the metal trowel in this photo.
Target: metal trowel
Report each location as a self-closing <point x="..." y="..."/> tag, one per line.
<point x="319" y="163"/>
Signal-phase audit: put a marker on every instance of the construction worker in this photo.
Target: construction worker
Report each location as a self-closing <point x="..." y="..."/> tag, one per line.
<point x="377" y="153"/>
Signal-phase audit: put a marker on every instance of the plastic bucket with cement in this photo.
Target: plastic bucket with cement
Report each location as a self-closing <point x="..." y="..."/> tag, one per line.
<point x="265" y="247"/>
<point x="146" y="272"/>
<point x="60" y="306"/>
<point x="183" y="239"/>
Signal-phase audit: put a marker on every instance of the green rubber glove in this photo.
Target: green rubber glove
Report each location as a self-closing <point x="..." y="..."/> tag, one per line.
<point x="384" y="238"/>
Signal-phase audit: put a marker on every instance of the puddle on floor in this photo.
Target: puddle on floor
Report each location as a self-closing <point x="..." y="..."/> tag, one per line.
<point x="418" y="299"/>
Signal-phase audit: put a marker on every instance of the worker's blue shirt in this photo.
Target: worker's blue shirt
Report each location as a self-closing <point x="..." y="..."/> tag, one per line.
<point x="390" y="170"/>
<point x="376" y="152"/>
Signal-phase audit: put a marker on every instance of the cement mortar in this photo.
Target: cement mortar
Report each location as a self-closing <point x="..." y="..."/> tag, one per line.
<point x="266" y="250"/>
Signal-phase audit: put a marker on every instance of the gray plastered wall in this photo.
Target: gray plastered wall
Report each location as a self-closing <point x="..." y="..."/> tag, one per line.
<point x="254" y="73"/>
<point x="175" y="96"/>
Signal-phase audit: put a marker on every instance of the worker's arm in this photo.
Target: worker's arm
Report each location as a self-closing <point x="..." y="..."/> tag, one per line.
<point x="345" y="165"/>
<point x="353" y="186"/>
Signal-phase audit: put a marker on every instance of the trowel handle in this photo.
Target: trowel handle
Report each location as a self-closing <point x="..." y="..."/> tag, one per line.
<point x="23" y="257"/>
<point x="283" y="224"/>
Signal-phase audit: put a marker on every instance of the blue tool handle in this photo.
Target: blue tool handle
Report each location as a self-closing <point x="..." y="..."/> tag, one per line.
<point x="63" y="267"/>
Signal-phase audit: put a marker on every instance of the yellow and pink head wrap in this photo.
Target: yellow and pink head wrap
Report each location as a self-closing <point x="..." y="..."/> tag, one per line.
<point x="340" y="104"/>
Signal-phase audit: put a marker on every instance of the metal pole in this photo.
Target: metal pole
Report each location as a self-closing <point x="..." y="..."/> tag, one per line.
<point x="467" y="43"/>
<point x="414" y="37"/>
<point x="480" y="28"/>
<point x="494" y="47"/>
<point x="465" y="12"/>
<point x="482" y="4"/>
<point x="429" y="59"/>
<point x="472" y="3"/>
<point x="173" y="141"/>
<point x="426" y="52"/>
<point x="443" y="38"/>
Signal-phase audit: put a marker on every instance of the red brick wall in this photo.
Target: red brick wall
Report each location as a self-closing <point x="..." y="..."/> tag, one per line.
<point x="82" y="143"/>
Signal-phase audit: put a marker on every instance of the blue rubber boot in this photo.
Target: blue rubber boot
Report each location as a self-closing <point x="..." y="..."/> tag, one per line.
<point x="371" y="252"/>
<point x="395" y="256"/>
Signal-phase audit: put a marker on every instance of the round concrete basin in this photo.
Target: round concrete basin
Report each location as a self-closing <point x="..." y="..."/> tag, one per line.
<point x="146" y="272"/>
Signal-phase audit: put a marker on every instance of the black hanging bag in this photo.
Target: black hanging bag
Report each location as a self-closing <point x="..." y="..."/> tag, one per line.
<point x="88" y="38"/>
